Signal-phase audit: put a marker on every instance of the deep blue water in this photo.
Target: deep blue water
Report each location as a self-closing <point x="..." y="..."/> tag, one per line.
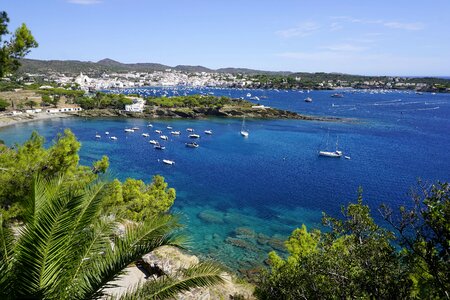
<point x="273" y="181"/>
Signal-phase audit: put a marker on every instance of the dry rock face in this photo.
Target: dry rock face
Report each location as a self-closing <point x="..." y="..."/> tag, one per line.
<point x="170" y="260"/>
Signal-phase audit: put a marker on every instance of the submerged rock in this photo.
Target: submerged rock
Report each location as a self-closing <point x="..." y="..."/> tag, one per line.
<point x="244" y="232"/>
<point x="211" y="217"/>
<point x="241" y="244"/>
<point x="277" y="244"/>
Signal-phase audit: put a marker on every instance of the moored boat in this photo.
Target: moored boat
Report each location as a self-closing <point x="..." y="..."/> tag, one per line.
<point x="244" y="131"/>
<point x="168" y="162"/>
<point x="337" y="95"/>
<point x="208" y="132"/>
<point x="308" y="99"/>
<point x="164" y="137"/>
<point x="129" y="130"/>
<point x="159" y="147"/>
<point x="175" y="132"/>
<point x="153" y="142"/>
<point x="194" y="136"/>
<point x="192" y="145"/>
<point x="145" y="135"/>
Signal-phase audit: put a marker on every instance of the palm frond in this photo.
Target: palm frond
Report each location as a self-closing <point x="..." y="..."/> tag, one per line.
<point x="6" y="259"/>
<point x="138" y="239"/>
<point x="204" y="274"/>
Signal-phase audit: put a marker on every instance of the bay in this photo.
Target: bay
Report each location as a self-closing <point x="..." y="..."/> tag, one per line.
<point x="240" y="197"/>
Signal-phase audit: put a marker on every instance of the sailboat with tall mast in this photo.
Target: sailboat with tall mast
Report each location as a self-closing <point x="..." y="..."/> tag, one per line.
<point x="335" y="154"/>
<point x="244" y="131"/>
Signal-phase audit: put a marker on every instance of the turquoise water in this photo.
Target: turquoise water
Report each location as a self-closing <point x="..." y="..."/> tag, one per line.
<point x="239" y="197"/>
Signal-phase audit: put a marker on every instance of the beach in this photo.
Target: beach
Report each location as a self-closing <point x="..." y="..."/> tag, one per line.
<point x="9" y="120"/>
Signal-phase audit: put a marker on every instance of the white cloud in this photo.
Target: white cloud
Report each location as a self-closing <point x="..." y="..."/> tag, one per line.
<point x="404" y="26"/>
<point x="85" y="2"/>
<point x="389" y="24"/>
<point x="335" y="26"/>
<point x="302" y="30"/>
<point x="363" y="63"/>
<point x="344" y="48"/>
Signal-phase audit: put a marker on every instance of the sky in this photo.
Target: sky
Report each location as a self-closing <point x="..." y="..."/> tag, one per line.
<point x="395" y="37"/>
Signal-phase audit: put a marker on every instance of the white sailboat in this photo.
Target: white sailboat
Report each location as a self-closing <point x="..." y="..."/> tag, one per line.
<point x="335" y="154"/>
<point x="244" y="131"/>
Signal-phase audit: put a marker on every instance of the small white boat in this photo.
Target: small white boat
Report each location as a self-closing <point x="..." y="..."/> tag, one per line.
<point x="164" y="137"/>
<point x="107" y="132"/>
<point x="347" y="157"/>
<point x="169" y="127"/>
<point x="208" y="131"/>
<point x="336" y="153"/>
<point x="135" y="128"/>
<point x="153" y="142"/>
<point x="175" y="132"/>
<point x="337" y="95"/>
<point x="194" y="136"/>
<point x="159" y="147"/>
<point x="129" y="130"/>
<point x="97" y="136"/>
<point x="149" y="125"/>
<point x="158" y="131"/>
<point x="308" y="99"/>
<point x="244" y="131"/>
<point x="192" y="145"/>
<point x="113" y="138"/>
<point x="190" y="130"/>
<point x="249" y="95"/>
<point x="145" y="135"/>
<point x="168" y="162"/>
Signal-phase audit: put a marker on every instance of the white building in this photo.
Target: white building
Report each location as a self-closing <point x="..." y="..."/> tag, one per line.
<point x="137" y="106"/>
<point x="63" y="109"/>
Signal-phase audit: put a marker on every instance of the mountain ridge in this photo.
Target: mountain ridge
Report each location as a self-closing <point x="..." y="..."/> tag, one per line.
<point x="110" y="65"/>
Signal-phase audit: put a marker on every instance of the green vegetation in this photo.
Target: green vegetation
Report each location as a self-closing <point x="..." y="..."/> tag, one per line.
<point x="356" y="258"/>
<point x="19" y="45"/>
<point x="197" y="101"/>
<point x="102" y="100"/>
<point x="3" y="104"/>
<point x="67" y="250"/>
<point x="59" y="233"/>
<point x="134" y="200"/>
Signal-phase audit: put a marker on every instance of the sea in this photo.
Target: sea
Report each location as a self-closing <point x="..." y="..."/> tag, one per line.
<point x="240" y="198"/>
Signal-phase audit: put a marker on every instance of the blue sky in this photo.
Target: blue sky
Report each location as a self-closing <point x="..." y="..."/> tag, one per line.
<point x="395" y="37"/>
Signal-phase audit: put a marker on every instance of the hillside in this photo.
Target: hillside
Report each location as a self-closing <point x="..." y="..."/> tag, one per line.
<point x="109" y="65"/>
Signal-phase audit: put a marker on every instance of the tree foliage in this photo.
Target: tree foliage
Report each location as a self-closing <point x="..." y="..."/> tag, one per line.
<point x="196" y="101"/>
<point x="3" y="104"/>
<point x="67" y="250"/>
<point x="135" y="200"/>
<point x="19" y="164"/>
<point x="18" y="46"/>
<point x="356" y="258"/>
<point x="424" y="234"/>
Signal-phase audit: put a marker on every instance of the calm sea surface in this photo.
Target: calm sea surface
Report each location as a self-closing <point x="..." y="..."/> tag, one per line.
<point x="240" y="197"/>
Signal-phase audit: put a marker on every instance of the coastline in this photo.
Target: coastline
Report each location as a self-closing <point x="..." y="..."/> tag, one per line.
<point x="170" y="113"/>
<point x="10" y="120"/>
<point x="204" y="113"/>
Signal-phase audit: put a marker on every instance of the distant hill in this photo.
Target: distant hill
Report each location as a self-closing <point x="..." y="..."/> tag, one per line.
<point x="110" y="65"/>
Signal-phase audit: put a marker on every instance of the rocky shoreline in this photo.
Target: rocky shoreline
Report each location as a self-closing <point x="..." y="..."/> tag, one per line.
<point x="201" y="113"/>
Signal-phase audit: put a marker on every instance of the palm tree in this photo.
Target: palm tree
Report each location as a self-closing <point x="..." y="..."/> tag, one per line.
<point x="67" y="250"/>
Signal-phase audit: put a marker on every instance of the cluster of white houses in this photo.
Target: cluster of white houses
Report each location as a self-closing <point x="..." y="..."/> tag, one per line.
<point x="137" y="106"/>
<point x="48" y="110"/>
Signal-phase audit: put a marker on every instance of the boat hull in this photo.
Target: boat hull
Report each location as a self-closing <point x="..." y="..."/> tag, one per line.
<point x="336" y="154"/>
